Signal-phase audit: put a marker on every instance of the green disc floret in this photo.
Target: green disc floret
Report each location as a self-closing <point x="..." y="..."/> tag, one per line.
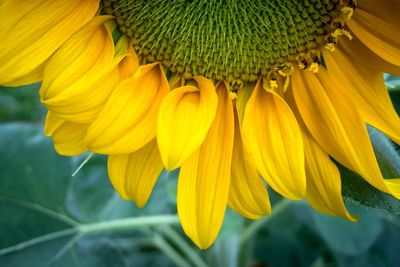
<point x="224" y="39"/>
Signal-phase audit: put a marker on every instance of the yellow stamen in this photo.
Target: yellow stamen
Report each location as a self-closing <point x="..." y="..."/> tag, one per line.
<point x="348" y="11"/>
<point x="232" y="95"/>
<point x="314" y="67"/>
<point x="330" y="47"/>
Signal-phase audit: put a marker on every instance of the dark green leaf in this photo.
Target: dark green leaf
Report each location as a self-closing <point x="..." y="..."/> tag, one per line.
<point x="395" y="96"/>
<point x="42" y="208"/>
<point x="21" y="104"/>
<point x="356" y="190"/>
<point x="347" y="237"/>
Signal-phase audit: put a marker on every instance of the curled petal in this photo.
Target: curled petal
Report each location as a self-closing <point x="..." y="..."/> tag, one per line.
<point x="128" y="120"/>
<point x="80" y="76"/>
<point x="185" y="117"/>
<point x="203" y="183"/>
<point x="272" y="137"/>
<point x="134" y="175"/>
<point x="67" y="136"/>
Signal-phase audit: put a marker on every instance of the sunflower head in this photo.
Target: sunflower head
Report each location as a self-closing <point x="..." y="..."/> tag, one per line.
<point x="233" y="41"/>
<point x="236" y="94"/>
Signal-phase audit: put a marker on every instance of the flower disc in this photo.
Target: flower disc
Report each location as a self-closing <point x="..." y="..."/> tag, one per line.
<point x="224" y="40"/>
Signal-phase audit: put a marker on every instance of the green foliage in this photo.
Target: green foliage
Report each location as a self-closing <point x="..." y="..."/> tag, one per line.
<point x="42" y="208"/>
<point x="357" y="190"/>
<point x="20" y="104"/>
<point x="50" y="218"/>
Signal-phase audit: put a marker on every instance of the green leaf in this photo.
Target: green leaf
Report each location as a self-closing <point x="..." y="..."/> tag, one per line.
<point x="21" y="104"/>
<point x="48" y="218"/>
<point x="91" y="198"/>
<point x="346" y="237"/>
<point x="395" y="96"/>
<point x="356" y="190"/>
<point x="392" y="81"/>
<point x="286" y="241"/>
<point x="384" y="252"/>
<point x="8" y="105"/>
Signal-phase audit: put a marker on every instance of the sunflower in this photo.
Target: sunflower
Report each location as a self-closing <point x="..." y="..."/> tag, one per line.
<point x="237" y="94"/>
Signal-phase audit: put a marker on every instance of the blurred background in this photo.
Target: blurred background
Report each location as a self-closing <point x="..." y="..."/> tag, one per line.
<point x="49" y="217"/>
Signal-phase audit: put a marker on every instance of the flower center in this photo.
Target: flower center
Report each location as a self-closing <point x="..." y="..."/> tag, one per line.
<point x="227" y="40"/>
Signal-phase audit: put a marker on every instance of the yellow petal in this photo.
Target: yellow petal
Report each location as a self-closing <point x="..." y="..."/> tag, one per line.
<point x="243" y="95"/>
<point x="272" y="137"/>
<point x="366" y="88"/>
<point x="85" y="103"/>
<point x="128" y="120"/>
<point x="125" y="58"/>
<point x="80" y="76"/>
<point x="203" y="183"/>
<point x="362" y="54"/>
<point x="335" y="124"/>
<point x="30" y="78"/>
<point x="387" y="10"/>
<point x="52" y="123"/>
<point x="175" y="81"/>
<point x="377" y="34"/>
<point x="324" y="191"/>
<point x="67" y="136"/>
<point x="248" y="194"/>
<point x="185" y="116"/>
<point x="134" y="175"/>
<point x="32" y="30"/>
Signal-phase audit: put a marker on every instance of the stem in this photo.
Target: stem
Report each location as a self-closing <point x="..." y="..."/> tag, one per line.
<point x="40" y="209"/>
<point x="250" y="230"/>
<point x="37" y="240"/>
<point x="190" y="253"/>
<point x="86" y="160"/>
<point x="170" y="252"/>
<point x="127" y="224"/>
<point x="245" y="254"/>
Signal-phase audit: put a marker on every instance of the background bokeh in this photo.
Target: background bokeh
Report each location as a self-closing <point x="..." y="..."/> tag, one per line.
<point x="50" y="218"/>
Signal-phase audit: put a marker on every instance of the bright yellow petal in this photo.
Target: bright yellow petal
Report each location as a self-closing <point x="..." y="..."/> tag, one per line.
<point x="51" y="124"/>
<point x="243" y="95"/>
<point x="185" y="116"/>
<point x="88" y="53"/>
<point x="134" y="175"/>
<point x="79" y="77"/>
<point x="30" y="78"/>
<point x="82" y="104"/>
<point x="377" y="34"/>
<point x="32" y="30"/>
<point x="364" y="56"/>
<point x="248" y="194"/>
<point x="203" y="183"/>
<point x="67" y="136"/>
<point x="272" y="137"/>
<point x="324" y="191"/>
<point x="366" y="88"/>
<point x="129" y="119"/>
<point x="336" y="125"/>
<point x="125" y="58"/>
